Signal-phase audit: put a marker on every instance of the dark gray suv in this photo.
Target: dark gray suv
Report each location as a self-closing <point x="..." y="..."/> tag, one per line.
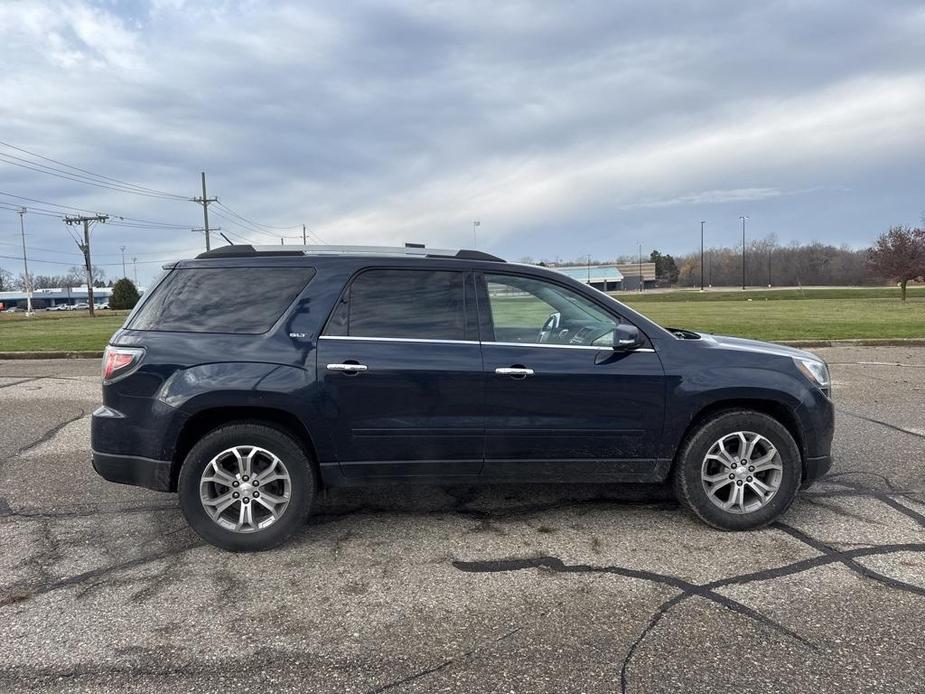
<point x="250" y="378"/>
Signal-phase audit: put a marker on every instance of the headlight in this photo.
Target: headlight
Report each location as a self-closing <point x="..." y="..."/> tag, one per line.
<point x="815" y="370"/>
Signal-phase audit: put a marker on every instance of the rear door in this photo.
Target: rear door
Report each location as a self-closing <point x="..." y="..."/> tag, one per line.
<point x="559" y="401"/>
<point x="401" y="375"/>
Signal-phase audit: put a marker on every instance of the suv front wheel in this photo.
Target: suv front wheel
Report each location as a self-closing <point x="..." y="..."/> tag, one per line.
<point x="246" y="487"/>
<point x="739" y="471"/>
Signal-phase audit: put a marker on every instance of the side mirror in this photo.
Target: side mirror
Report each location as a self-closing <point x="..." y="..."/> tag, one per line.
<point x="626" y="337"/>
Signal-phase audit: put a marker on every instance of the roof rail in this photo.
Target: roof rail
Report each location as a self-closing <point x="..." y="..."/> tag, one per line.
<point x="421" y="251"/>
<point x="245" y="251"/>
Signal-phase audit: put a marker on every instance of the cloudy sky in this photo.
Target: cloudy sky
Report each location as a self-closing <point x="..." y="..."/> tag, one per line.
<point x="565" y="128"/>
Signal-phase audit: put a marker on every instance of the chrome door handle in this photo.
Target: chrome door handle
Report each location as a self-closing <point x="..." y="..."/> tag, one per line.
<point x="350" y="368"/>
<point x="513" y="371"/>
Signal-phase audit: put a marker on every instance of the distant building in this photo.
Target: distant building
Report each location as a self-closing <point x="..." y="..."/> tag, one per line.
<point x="603" y="277"/>
<point x="634" y="273"/>
<point x="46" y="298"/>
<point x="615" y="277"/>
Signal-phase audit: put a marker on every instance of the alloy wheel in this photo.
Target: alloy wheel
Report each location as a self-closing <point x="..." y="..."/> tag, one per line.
<point x="245" y="489"/>
<point x="741" y="472"/>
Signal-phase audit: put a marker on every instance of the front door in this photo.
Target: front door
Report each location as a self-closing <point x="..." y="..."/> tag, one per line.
<point x="559" y="401"/>
<point x="401" y="375"/>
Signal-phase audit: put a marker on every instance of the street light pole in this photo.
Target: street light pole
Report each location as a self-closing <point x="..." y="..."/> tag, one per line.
<point x="640" y="268"/>
<point x="743" y="218"/>
<point x="770" y="250"/>
<point x="702" y="222"/>
<point x="25" y="262"/>
<point x="123" y="261"/>
<point x="475" y="242"/>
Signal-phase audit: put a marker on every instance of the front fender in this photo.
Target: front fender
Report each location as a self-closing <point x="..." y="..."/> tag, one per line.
<point x="690" y="395"/>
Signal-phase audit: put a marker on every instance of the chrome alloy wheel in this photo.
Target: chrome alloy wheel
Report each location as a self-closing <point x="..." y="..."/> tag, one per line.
<point x="245" y="489"/>
<point x="741" y="472"/>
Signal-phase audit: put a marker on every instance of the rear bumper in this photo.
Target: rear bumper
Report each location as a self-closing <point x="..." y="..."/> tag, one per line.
<point x="814" y="468"/>
<point x="135" y="470"/>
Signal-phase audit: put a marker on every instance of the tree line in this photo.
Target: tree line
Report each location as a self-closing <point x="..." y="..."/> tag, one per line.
<point x="897" y="255"/>
<point x="74" y="277"/>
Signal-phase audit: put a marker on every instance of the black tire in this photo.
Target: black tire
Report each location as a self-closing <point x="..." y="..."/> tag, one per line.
<point x="280" y="443"/>
<point x="689" y="488"/>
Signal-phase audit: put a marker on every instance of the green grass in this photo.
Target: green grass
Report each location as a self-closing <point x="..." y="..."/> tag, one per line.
<point x="710" y="295"/>
<point x="780" y="314"/>
<point x="50" y="332"/>
<point x="815" y="314"/>
<point x="797" y="319"/>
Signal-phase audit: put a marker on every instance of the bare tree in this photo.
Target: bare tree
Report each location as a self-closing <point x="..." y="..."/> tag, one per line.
<point x="6" y="280"/>
<point x="899" y="255"/>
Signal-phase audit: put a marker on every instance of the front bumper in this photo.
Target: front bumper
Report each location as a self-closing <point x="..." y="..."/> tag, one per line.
<point x="135" y="470"/>
<point x="814" y="468"/>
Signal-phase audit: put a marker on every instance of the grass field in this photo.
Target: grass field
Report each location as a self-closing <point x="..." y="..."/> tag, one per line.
<point x="816" y="314"/>
<point x="51" y="332"/>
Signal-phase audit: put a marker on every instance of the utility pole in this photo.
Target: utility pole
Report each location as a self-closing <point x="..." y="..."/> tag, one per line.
<point x="201" y="230"/>
<point x="85" y="249"/>
<point x="135" y="270"/>
<point x="123" y="261"/>
<point x="204" y="201"/>
<point x="702" y="222"/>
<point x="743" y="251"/>
<point x="25" y="263"/>
<point x="475" y="242"/>
<point x="304" y="238"/>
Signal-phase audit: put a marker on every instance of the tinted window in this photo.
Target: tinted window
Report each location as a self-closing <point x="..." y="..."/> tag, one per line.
<point x="222" y="300"/>
<point x="412" y="304"/>
<point x="528" y="310"/>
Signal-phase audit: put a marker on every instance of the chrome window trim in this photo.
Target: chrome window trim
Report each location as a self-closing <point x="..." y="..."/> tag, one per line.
<point x="470" y="342"/>
<point x="398" y="339"/>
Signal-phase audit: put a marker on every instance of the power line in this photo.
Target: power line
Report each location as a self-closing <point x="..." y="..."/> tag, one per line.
<point x="84" y="173"/>
<point x="80" y="209"/>
<point x="67" y="177"/>
<point x="61" y="262"/>
<point x="251" y="221"/>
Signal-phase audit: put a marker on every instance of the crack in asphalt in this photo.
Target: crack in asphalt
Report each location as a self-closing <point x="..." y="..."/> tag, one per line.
<point x="49" y="434"/>
<point x="850" y="563"/>
<point x="92" y="574"/>
<point x="888" y="425"/>
<point x="828" y="555"/>
<point x="16" y="383"/>
<point x="5" y="510"/>
<point x="445" y="664"/>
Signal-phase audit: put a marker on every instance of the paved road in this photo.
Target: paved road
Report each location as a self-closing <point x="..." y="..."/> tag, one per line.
<point x="561" y="589"/>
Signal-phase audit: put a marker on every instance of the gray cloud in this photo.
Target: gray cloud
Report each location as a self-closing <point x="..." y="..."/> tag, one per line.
<point x="565" y="128"/>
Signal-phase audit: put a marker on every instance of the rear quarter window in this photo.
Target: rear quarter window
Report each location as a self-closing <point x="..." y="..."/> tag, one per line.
<point x="244" y="300"/>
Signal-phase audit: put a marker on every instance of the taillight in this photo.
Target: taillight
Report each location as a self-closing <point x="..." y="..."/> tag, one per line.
<point x="120" y="361"/>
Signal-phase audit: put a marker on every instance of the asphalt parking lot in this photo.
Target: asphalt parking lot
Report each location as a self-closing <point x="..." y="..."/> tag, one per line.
<point x="495" y="589"/>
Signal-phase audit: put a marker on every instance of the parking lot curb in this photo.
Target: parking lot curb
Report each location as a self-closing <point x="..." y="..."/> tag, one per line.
<point x="91" y="354"/>
<point x="888" y="342"/>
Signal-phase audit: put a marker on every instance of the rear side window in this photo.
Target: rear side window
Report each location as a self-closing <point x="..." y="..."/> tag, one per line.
<point x="245" y="300"/>
<point x="410" y="304"/>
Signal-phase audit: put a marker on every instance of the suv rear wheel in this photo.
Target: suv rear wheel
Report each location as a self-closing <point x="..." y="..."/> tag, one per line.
<point x="246" y="487"/>
<point x="739" y="471"/>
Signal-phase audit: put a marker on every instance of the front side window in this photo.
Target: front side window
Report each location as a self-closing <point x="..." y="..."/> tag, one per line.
<point x="243" y="300"/>
<point x="531" y="311"/>
<point x="407" y="304"/>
